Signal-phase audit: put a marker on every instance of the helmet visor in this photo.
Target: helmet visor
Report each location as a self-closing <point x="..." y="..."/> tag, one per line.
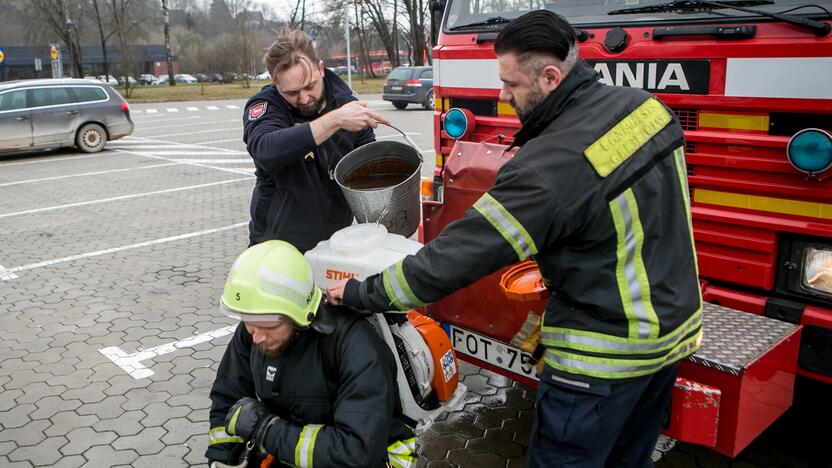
<point x="270" y="317"/>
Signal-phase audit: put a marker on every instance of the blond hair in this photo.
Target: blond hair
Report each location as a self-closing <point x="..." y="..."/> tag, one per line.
<point x="291" y="47"/>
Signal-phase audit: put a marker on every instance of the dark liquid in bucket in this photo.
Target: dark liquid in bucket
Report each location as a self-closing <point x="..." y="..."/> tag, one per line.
<point x="379" y="173"/>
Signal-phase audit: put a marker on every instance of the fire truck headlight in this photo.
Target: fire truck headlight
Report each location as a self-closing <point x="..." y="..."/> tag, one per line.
<point x="817" y="269"/>
<point x="458" y="122"/>
<point x="810" y="151"/>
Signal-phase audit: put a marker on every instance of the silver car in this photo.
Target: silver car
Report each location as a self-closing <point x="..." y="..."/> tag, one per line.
<point x="38" y="114"/>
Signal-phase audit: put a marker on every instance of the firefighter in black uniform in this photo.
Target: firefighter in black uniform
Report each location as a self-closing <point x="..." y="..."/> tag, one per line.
<point x="302" y="384"/>
<point x="598" y="196"/>
<point x="296" y="130"/>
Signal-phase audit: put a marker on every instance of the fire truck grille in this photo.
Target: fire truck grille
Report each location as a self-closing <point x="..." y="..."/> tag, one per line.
<point x="690" y="147"/>
<point x="482" y="107"/>
<point x="688" y="118"/>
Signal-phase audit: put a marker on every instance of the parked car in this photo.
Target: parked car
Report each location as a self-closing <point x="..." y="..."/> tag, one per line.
<point x="147" y="78"/>
<point x="409" y="84"/>
<point x="264" y="76"/>
<point x="202" y="77"/>
<point x="38" y="114"/>
<point x="162" y="80"/>
<point x="109" y="79"/>
<point x="130" y="80"/>
<point x="184" y="78"/>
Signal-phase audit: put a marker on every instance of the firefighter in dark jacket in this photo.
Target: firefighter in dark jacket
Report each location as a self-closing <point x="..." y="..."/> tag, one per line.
<point x="598" y="196"/>
<point x="302" y="384"/>
<point x="296" y="130"/>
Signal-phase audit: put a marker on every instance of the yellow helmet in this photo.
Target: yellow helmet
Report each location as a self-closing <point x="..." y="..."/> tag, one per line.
<point x="270" y="281"/>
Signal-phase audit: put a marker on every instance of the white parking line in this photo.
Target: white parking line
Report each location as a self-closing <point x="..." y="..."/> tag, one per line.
<point x="231" y="106"/>
<point x="44" y="179"/>
<point x="212" y="161"/>
<point x="187" y="145"/>
<point x="192" y="109"/>
<point x="150" y="111"/>
<point x="196" y="133"/>
<point x="157" y="119"/>
<point x="191" y="124"/>
<point x="212" y="107"/>
<point x="172" y="109"/>
<point x="223" y="169"/>
<point x="5" y="275"/>
<point x="220" y="141"/>
<point x="122" y="197"/>
<point x="132" y="363"/>
<point x="136" y="112"/>
<point x="122" y="248"/>
<point x="190" y="153"/>
<point x="56" y="158"/>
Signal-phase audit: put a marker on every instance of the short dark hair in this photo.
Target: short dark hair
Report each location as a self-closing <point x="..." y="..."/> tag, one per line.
<point x="538" y="32"/>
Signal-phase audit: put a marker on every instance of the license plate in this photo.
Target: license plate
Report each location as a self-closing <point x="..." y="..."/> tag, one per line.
<point x="494" y="352"/>
<point x="396" y="88"/>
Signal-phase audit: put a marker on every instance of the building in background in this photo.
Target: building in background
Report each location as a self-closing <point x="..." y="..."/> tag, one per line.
<point x="21" y="62"/>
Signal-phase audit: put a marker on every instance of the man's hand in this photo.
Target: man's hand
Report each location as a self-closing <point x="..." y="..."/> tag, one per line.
<point x="335" y="292"/>
<point x="245" y="417"/>
<point x="354" y="116"/>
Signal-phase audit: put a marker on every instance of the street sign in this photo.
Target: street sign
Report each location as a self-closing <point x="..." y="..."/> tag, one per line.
<point x="2" y="56"/>
<point x="57" y="65"/>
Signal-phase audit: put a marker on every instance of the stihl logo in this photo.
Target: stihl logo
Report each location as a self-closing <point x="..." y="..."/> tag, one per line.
<point x="339" y="275"/>
<point x="683" y="76"/>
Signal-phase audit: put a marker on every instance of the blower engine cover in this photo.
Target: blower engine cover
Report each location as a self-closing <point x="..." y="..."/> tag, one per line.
<point x="445" y="374"/>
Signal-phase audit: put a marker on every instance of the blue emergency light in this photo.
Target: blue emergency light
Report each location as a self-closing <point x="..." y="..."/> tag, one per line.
<point x="456" y="123"/>
<point x="810" y="151"/>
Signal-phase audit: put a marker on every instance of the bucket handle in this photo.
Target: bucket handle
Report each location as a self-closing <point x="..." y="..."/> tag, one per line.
<point x="407" y="139"/>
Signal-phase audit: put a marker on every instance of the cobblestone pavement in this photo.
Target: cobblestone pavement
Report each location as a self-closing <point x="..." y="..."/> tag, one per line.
<point x="110" y="266"/>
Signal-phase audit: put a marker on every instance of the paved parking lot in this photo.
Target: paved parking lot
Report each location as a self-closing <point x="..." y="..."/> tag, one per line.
<point x="110" y="267"/>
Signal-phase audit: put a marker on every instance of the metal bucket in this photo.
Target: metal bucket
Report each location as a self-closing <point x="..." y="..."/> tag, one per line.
<point x="394" y="206"/>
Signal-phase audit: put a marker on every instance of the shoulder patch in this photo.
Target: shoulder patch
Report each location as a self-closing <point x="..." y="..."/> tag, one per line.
<point x="257" y="110"/>
<point x="627" y="136"/>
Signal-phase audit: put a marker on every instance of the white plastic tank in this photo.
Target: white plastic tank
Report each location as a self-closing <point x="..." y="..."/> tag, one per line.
<point x="357" y="251"/>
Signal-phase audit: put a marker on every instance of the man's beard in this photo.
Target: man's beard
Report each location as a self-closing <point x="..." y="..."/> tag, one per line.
<point x="536" y="97"/>
<point x="277" y="350"/>
<point x="313" y="109"/>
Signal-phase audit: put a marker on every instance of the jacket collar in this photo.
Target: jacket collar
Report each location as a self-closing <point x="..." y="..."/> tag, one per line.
<point x="555" y="103"/>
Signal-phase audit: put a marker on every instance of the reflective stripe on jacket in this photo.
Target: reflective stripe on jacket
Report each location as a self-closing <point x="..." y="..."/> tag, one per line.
<point x="598" y="196"/>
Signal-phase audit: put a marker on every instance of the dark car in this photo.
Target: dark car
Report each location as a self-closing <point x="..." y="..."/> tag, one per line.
<point x="409" y="84"/>
<point x="38" y="114"/>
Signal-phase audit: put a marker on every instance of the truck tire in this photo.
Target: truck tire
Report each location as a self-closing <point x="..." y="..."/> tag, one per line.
<point x="399" y="104"/>
<point x="91" y="138"/>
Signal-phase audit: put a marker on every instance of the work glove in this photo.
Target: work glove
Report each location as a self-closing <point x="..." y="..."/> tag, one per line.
<point x="250" y="419"/>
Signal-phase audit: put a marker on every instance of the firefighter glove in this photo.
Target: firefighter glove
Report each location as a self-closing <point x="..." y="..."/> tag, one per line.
<point x="249" y="418"/>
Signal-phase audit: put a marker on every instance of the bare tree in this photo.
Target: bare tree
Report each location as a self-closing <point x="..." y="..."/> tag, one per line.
<point x="376" y="10"/>
<point x="125" y="22"/>
<point x="54" y="14"/>
<point x="300" y="6"/>
<point x="103" y="38"/>
<point x="416" y="14"/>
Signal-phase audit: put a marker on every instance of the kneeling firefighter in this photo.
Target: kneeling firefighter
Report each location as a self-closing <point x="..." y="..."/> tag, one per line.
<point x="300" y="382"/>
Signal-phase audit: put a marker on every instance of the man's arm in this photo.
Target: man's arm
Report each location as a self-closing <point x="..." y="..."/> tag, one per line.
<point x="261" y="199"/>
<point x="363" y="411"/>
<point x="352" y="117"/>
<point x="232" y="383"/>
<point x="507" y="224"/>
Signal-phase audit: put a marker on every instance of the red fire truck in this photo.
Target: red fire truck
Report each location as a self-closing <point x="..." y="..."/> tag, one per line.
<point x="751" y="83"/>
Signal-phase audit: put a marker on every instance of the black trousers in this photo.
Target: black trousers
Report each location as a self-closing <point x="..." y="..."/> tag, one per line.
<point x="605" y="425"/>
